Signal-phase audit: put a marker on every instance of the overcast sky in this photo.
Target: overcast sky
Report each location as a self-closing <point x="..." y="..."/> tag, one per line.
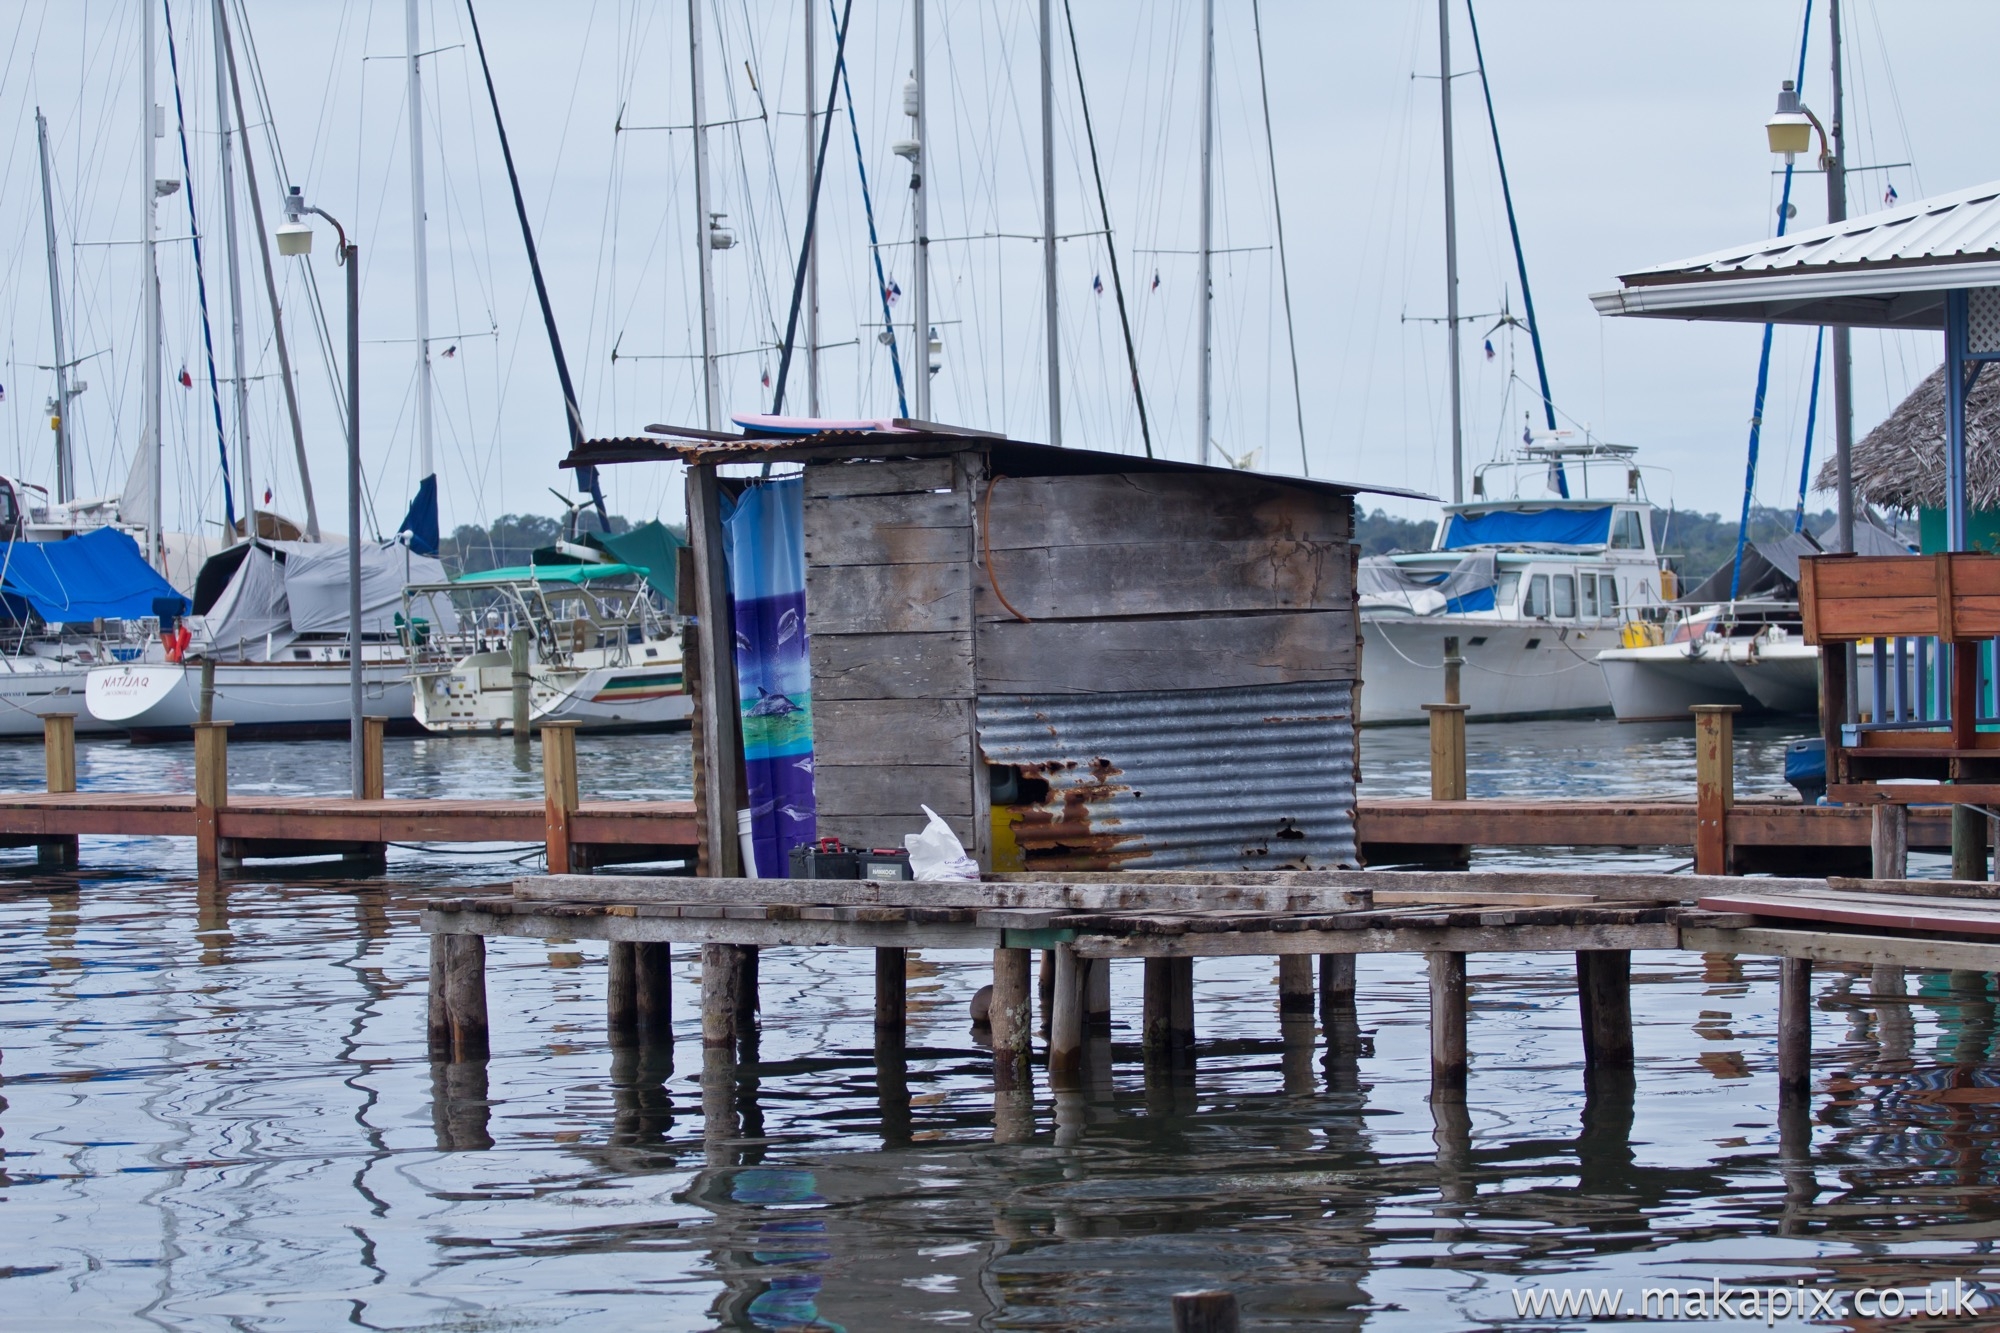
<point x="1633" y="135"/>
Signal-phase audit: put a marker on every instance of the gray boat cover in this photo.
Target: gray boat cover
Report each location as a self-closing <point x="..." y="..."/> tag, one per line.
<point x="1467" y="586"/>
<point x="282" y="590"/>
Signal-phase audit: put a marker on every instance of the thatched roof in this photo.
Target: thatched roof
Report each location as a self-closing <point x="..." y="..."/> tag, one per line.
<point x="1900" y="464"/>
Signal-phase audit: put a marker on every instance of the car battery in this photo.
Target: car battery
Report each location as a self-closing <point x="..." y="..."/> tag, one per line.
<point x="825" y="859"/>
<point x="883" y="863"/>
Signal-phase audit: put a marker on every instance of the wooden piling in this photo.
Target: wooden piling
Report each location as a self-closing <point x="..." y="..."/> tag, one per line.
<point x="892" y="967"/>
<point x="1889" y="841"/>
<point x="205" y="700"/>
<point x="748" y="997"/>
<point x="1066" y="1022"/>
<point x="1794" y="1028"/>
<point x="211" y="794"/>
<point x="1045" y="988"/>
<point x="1968" y="842"/>
<point x="1448" y="1058"/>
<point x="559" y="793"/>
<point x="59" y="759"/>
<point x="653" y="994"/>
<point x="621" y="993"/>
<point x="1453" y="665"/>
<point x="1604" y="998"/>
<point x="1096" y="996"/>
<point x="1180" y="1011"/>
<point x="518" y="646"/>
<point x="370" y="858"/>
<point x="1295" y="983"/>
<point x="1714" y="785"/>
<point x="1447" y="751"/>
<point x="1337" y="1017"/>
<point x="1206" y="1312"/>
<point x="721" y="985"/>
<point x="457" y="1025"/>
<point x="1167" y="1016"/>
<point x="1011" y="1018"/>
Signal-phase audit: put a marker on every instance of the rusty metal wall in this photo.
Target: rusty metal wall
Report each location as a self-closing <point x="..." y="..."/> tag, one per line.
<point x="1260" y="777"/>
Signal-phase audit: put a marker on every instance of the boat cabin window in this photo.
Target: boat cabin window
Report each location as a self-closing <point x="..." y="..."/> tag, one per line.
<point x="10" y="514"/>
<point x="1564" y="607"/>
<point x="1627" y="532"/>
<point x="1589" y="591"/>
<point x="1538" y="597"/>
<point x="1607" y="591"/>
<point x="1506" y="589"/>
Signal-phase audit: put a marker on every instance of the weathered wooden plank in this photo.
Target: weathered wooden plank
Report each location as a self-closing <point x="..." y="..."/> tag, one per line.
<point x="892" y="666"/>
<point x="1489" y="939"/>
<point x="1041" y="896"/>
<point x="899" y="789"/>
<point x="892" y="731"/>
<point x="1927" y="888"/>
<point x="683" y="930"/>
<point x="886" y="830"/>
<point x="1198" y="653"/>
<point x="888" y="599"/>
<point x="1024" y="513"/>
<point x="1911" y="914"/>
<point x="1824" y="946"/>
<point x="1166" y="578"/>
<point x="924" y="527"/>
<point x="884" y="477"/>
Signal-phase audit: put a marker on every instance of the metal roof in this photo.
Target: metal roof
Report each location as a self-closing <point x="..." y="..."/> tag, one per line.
<point x="913" y="439"/>
<point x="1882" y="270"/>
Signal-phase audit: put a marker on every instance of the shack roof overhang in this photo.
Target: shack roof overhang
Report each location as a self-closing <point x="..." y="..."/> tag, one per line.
<point x="1886" y="270"/>
<point x="911" y="439"/>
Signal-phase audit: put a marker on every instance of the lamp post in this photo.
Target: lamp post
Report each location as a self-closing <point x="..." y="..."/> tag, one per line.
<point x="295" y="238"/>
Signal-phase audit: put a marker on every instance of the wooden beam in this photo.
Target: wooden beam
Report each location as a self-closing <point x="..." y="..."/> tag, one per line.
<point x="1715" y="786"/>
<point x="1828" y="947"/>
<point x="559" y="793"/>
<point x="721" y="731"/>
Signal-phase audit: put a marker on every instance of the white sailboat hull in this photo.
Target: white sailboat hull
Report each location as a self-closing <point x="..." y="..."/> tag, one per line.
<point x="32" y="688"/>
<point x="476" y="696"/>
<point x="163" y="699"/>
<point x="1661" y="683"/>
<point x="1782" y="677"/>
<point x="1513" y="668"/>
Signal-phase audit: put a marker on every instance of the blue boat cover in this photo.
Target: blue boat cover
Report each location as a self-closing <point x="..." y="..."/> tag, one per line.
<point x="100" y="574"/>
<point x="1529" y="527"/>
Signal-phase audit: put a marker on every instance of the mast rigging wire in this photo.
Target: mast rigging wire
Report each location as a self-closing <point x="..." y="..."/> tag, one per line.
<point x="1278" y="215"/>
<point x="1110" y="246"/>
<point x="200" y="281"/>
<point x="874" y="243"/>
<point x="586" y="476"/>
<point x="812" y="215"/>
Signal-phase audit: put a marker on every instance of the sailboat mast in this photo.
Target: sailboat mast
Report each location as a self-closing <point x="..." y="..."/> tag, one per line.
<point x="1049" y="226"/>
<point x="920" y="278"/>
<point x="150" y="442"/>
<point x="227" y="153"/>
<point x="812" y="242"/>
<point x="419" y="249"/>
<point x="1204" y="403"/>
<point x="65" y="472"/>
<point x="1451" y="258"/>
<point x="1843" y="361"/>
<point x="703" y="224"/>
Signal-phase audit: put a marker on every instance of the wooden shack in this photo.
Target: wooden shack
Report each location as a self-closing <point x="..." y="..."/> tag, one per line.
<point x="1081" y="660"/>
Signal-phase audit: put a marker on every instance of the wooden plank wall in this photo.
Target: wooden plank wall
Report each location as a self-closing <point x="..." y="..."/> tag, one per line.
<point x="889" y="560"/>
<point x="1135" y="581"/>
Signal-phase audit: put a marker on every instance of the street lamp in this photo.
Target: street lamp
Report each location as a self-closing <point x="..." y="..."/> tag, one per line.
<point x="1790" y="128"/>
<point x="295" y="238"/>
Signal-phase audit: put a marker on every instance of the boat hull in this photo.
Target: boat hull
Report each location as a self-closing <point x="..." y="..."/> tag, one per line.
<point x="32" y="688"/>
<point x="1514" y="669"/>
<point x="261" y="700"/>
<point x="475" y="697"/>
<point x="1782" y="677"/>
<point x="1661" y="683"/>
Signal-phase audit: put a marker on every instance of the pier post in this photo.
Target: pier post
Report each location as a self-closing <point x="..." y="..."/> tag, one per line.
<point x="1968" y="842"/>
<point x="653" y="993"/>
<point x="1066" y="1020"/>
<point x="1714" y="785"/>
<point x="1448" y="1059"/>
<point x="1167" y="1023"/>
<point x="1295" y="984"/>
<point x="559" y="793"/>
<point x="621" y="993"/>
<point x="721" y="989"/>
<point x="1604" y="999"/>
<point x="1045" y="988"/>
<point x="1889" y="841"/>
<point x="518" y="660"/>
<point x="211" y="794"/>
<point x="892" y="998"/>
<point x="1205" y="1312"/>
<point x="1097" y="996"/>
<point x="1447" y="751"/>
<point x="370" y="858"/>
<point x="1338" y="1018"/>
<point x="59" y="757"/>
<point x="748" y="1001"/>
<point x="457" y="1028"/>
<point x="1011" y="1017"/>
<point x="1794" y="1029"/>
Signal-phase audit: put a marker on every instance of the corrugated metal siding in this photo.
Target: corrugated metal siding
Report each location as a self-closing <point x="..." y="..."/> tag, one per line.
<point x="1957" y="226"/>
<point x="1255" y="778"/>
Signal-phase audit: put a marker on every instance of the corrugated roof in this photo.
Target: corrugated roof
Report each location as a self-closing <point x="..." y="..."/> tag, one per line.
<point x="1883" y="270"/>
<point x="912" y="440"/>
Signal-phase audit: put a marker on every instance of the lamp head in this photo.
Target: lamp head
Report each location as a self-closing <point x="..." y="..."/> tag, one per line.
<point x="1789" y="130"/>
<point x="295" y="234"/>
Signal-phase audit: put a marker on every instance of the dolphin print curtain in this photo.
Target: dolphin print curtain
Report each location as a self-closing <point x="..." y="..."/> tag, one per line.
<point x="765" y="531"/>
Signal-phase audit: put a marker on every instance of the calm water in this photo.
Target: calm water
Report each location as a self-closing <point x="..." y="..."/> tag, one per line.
<point x="217" y="1112"/>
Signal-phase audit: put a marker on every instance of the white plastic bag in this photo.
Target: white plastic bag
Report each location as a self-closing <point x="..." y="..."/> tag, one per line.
<point x="936" y="853"/>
